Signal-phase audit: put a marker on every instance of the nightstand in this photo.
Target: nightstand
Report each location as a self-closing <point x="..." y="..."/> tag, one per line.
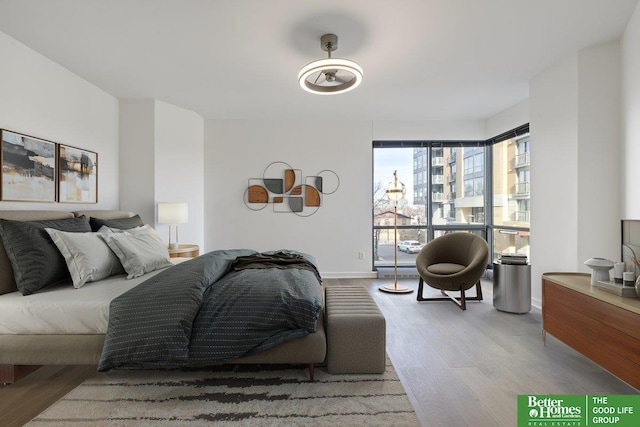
<point x="185" y="251"/>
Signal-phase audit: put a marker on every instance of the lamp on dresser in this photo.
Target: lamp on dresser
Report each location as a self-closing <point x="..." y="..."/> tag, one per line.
<point x="173" y="214"/>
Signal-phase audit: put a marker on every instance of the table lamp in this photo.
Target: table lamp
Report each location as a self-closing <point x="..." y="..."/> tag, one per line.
<point x="173" y="214"/>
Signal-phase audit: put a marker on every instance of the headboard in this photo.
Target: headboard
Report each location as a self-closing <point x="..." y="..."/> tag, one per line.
<point x="7" y="282"/>
<point x="630" y="243"/>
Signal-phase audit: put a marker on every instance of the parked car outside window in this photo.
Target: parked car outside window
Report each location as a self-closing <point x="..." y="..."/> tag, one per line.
<point x="410" y="246"/>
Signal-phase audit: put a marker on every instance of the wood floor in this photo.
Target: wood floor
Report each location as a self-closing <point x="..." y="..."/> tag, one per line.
<point x="459" y="368"/>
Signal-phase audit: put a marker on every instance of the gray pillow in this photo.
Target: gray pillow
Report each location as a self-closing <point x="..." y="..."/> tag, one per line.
<point x="87" y="256"/>
<point x="140" y="250"/>
<point x="121" y="223"/>
<point x="35" y="259"/>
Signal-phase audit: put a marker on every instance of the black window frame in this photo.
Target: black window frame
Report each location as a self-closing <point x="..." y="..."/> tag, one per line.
<point x="488" y="227"/>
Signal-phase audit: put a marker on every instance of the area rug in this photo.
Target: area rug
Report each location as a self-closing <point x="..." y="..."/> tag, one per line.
<point x="234" y="396"/>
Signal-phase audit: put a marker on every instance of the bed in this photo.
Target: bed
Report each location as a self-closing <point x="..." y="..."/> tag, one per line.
<point x="61" y="325"/>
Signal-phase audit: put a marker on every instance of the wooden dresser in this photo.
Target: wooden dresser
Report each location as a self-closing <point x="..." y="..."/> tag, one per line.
<point x="602" y="326"/>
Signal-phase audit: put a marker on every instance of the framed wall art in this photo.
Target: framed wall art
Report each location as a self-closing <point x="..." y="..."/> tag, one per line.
<point x="28" y="168"/>
<point x="77" y="175"/>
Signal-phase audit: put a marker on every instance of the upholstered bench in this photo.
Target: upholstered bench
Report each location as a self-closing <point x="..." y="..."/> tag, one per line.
<point x="356" y="331"/>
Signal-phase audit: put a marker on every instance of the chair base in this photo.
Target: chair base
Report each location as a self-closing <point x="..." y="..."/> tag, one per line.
<point x="460" y="302"/>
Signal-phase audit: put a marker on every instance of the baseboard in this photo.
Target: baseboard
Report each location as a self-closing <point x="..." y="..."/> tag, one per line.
<point x="537" y="303"/>
<point x="350" y="275"/>
<point x="380" y="273"/>
<point x="403" y="273"/>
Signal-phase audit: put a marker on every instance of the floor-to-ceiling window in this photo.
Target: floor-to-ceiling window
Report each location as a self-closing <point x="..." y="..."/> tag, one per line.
<point x="511" y="194"/>
<point x="480" y="187"/>
<point x="408" y="163"/>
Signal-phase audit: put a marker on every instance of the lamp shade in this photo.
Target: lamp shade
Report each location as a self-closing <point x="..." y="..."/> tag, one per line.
<point x="173" y="213"/>
<point x="396" y="189"/>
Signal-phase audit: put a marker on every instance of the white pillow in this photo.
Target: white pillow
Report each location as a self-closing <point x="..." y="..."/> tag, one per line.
<point x="87" y="256"/>
<point x="143" y="229"/>
<point x="140" y="250"/>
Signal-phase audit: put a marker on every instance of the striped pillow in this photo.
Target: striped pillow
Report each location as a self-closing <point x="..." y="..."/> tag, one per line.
<point x="35" y="259"/>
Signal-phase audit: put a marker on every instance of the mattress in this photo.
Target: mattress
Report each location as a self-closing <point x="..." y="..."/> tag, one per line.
<point x="63" y="309"/>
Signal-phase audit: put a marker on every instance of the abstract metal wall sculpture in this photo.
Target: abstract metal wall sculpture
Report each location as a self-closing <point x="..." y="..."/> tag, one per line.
<point x="287" y="190"/>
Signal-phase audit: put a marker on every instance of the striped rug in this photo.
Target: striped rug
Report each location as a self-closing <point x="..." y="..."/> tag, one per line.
<point x="234" y="396"/>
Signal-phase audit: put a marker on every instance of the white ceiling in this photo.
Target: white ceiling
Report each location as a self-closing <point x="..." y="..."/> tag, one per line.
<point x="225" y="59"/>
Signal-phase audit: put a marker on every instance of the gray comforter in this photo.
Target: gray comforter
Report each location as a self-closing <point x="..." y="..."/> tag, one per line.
<point x="205" y="311"/>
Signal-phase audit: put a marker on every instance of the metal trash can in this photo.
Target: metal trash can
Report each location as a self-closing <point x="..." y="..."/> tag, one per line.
<point x="512" y="287"/>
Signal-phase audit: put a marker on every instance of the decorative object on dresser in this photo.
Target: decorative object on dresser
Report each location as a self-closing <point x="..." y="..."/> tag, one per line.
<point x="173" y="214"/>
<point x="630" y="249"/>
<point x="77" y="175"/>
<point x="617" y="288"/>
<point x="628" y="278"/>
<point x="28" y="168"/>
<point x="600" y="267"/>
<point x="618" y="272"/>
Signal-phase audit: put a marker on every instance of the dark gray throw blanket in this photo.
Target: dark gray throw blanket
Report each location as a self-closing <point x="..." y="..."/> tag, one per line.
<point x="204" y="311"/>
<point x="277" y="259"/>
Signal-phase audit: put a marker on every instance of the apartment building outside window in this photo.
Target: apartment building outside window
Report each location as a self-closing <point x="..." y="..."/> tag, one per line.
<point x="511" y="195"/>
<point x="473" y="186"/>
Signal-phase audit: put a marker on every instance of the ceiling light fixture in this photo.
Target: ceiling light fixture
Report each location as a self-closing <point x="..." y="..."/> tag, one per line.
<point x="332" y="75"/>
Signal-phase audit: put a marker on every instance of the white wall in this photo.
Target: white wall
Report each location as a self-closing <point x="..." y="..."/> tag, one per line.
<point x="161" y="161"/>
<point x="40" y="98"/>
<point x="553" y="104"/>
<point x="238" y="150"/>
<point x="575" y="197"/>
<point x="599" y="153"/>
<point x="148" y="151"/>
<point x="510" y="118"/>
<point x="630" y="152"/>
<point x="179" y="168"/>
<point x="428" y="130"/>
<point x="137" y="157"/>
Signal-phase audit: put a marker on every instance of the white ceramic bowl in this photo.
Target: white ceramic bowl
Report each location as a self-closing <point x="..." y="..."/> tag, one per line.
<point x="600" y="267"/>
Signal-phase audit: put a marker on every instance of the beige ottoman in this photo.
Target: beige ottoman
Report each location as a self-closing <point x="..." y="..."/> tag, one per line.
<point x="356" y="331"/>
